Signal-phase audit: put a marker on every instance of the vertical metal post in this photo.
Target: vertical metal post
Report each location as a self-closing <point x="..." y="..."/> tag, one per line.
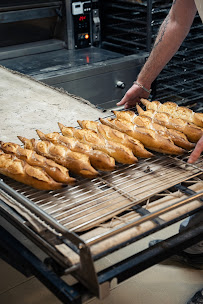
<point x="69" y="25"/>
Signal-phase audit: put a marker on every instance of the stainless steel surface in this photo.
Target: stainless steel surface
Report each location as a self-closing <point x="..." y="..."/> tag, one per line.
<point x="91" y="73"/>
<point x="30" y="49"/>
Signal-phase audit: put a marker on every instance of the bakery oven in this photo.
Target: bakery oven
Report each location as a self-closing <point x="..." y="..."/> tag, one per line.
<point x="61" y="44"/>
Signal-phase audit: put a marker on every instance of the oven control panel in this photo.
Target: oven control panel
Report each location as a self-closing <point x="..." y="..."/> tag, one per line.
<point x="81" y="11"/>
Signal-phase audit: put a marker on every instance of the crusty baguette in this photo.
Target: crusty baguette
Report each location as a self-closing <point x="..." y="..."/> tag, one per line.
<point x="175" y="111"/>
<point x="177" y="137"/>
<point x="150" y="138"/>
<point x="21" y="171"/>
<point x="56" y="171"/>
<point x="116" y="136"/>
<point x="98" y="159"/>
<point x="77" y="163"/>
<point x="192" y="131"/>
<point x="119" y="152"/>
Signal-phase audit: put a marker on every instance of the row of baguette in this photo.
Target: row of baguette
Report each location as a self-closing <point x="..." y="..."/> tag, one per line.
<point x="45" y="164"/>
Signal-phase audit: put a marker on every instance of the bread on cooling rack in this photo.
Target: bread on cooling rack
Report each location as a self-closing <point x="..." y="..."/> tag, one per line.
<point x="177" y="137"/>
<point x="119" y="152"/>
<point x="98" y="159"/>
<point x="175" y="111"/>
<point x="21" y="171"/>
<point x="149" y="138"/>
<point x="56" y="171"/>
<point x="77" y="163"/>
<point x="192" y="131"/>
<point x="114" y="135"/>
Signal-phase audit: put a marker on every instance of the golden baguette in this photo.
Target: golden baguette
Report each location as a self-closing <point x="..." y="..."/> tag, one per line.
<point x="192" y="131"/>
<point x="177" y="137"/>
<point x="119" y="152"/>
<point x="56" y="171"/>
<point x="21" y="171"/>
<point x="98" y="159"/>
<point x="77" y="163"/>
<point x="116" y="136"/>
<point x="150" y="139"/>
<point x="175" y="111"/>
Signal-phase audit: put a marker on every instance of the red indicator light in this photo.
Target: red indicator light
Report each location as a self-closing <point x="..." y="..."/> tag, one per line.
<point x="86" y="36"/>
<point x="82" y="18"/>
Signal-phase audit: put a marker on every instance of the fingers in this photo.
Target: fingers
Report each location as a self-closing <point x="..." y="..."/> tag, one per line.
<point x="132" y="97"/>
<point x="197" y="151"/>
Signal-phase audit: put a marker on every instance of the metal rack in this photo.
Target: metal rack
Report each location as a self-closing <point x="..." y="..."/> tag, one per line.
<point x="131" y="28"/>
<point x="186" y="66"/>
<point x="79" y="225"/>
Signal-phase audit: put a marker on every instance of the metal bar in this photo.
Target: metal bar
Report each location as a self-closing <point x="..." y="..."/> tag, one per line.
<point x="20" y="254"/>
<point x="70" y="40"/>
<point x="36" y="13"/>
<point x="15" y="220"/>
<point x="132" y="203"/>
<point x="29" y="6"/>
<point x="186" y="190"/>
<point x="143" y="219"/>
<point x="151" y="256"/>
<point x="43" y="215"/>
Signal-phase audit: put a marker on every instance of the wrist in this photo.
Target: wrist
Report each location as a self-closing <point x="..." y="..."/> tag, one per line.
<point x="146" y="89"/>
<point x="145" y="82"/>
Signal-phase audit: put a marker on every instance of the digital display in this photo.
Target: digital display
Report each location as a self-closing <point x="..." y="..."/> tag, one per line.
<point x="82" y="18"/>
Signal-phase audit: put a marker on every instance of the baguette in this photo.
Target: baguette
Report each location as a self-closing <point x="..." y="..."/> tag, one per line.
<point x="56" y="171"/>
<point x="192" y="131"/>
<point x="98" y="159"/>
<point x="150" y="138"/>
<point x="175" y="111"/>
<point x="177" y="137"/>
<point x="116" y="136"/>
<point x="77" y="163"/>
<point x="119" y="152"/>
<point x="21" y="171"/>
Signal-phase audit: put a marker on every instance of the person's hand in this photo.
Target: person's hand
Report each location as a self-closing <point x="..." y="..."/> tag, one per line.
<point x="197" y="151"/>
<point x="133" y="96"/>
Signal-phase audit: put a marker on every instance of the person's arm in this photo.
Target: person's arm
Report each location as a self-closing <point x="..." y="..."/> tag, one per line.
<point x="197" y="151"/>
<point x="171" y="34"/>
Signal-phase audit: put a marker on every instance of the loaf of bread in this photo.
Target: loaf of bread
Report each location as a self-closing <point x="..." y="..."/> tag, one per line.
<point x="56" y="171"/>
<point x="151" y="139"/>
<point x="119" y="152"/>
<point x="177" y="137"/>
<point x="116" y="136"/>
<point x="98" y="159"/>
<point x="21" y="171"/>
<point x="192" y="131"/>
<point x="77" y="163"/>
<point x="175" y="111"/>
